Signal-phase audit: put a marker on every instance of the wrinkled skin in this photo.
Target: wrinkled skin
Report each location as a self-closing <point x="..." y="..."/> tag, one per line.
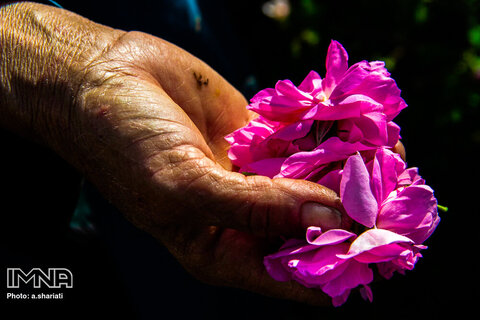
<point x="177" y="147"/>
<point x="145" y="122"/>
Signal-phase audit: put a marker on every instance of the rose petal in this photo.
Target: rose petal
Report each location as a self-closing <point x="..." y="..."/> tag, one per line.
<point x="268" y="167"/>
<point x="355" y="274"/>
<point x="372" y="239"/>
<point x="366" y="293"/>
<point x="410" y="176"/>
<point x="284" y="103"/>
<point x="337" y="64"/>
<point x="320" y="266"/>
<point x="412" y="212"/>
<point x="341" y="299"/>
<point x="301" y="164"/>
<point x="355" y="192"/>
<point x="293" y="131"/>
<point x="387" y="166"/>
<point x="332" y="180"/>
<point x="393" y="134"/>
<point x="312" y="84"/>
<point x="330" y="237"/>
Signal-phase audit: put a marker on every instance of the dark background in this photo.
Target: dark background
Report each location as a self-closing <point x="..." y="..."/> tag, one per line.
<point x="432" y="49"/>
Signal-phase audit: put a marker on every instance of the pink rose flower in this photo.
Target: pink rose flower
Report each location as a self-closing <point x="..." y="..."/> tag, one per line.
<point x="316" y="263"/>
<point x="355" y="104"/>
<point x="385" y="195"/>
<point x="262" y="139"/>
<point x="395" y="203"/>
<point x="363" y="98"/>
<point x="394" y="207"/>
<point x="336" y="132"/>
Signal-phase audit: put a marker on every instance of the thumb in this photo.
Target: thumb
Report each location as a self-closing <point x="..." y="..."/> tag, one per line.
<point x="267" y="207"/>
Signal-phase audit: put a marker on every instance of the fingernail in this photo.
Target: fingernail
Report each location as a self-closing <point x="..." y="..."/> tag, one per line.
<point x="315" y="214"/>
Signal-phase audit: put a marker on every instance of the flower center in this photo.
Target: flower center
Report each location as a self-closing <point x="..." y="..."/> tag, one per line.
<point x="321" y="97"/>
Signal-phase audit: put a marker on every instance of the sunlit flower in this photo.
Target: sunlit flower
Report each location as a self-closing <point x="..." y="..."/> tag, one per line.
<point x="338" y="132"/>
<point x="353" y="105"/>
<point x="363" y="99"/>
<point x="385" y="195"/>
<point x="316" y="263"/>
<point x="395" y="212"/>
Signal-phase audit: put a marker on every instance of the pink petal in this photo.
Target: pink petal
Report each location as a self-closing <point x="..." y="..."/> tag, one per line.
<point x="268" y="167"/>
<point x="330" y="237"/>
<point x="276" y="269"/>
<point x="374" y="128"/>
<point x="277" y="263"/>
<point x="373" y="239"/>
<point x="349" y="131"/>
<point x="284" y="103"/>
<point x="293" y="131"/>
<point x="388" y="252"/>
<point x="352" y="106"/>
<point x="393" y="134"/>
<point x="405" y="261"/>
<point x="410" y="176"/>
<point x="322" y="265"/>
<point x="332" y="180"/>
<point x="412" y="213"/>
<point x="312" y="84"/>
<point x="287" y="88"/>
<point x="293" y="248"/>
<point x="376" y="179"/>
<point x="355" y="192"/>
<point x="337" y="64"/>
<point x="386" y="269"/>
<point x="353" y="78"/>
<point x="385" y="91"/>
<point x="301" y="164"/>
<point x="387" y="166"/>
<point x="356" y="274"/>
<point x="341" y="299"/>
<point x="366" y="293"/>
<point x="371" y="79"/>
<point x="244" y="140"/>
<point x="275" y="266"/>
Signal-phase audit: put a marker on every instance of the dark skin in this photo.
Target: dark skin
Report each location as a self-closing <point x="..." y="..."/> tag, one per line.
<point x="145" y="122"/>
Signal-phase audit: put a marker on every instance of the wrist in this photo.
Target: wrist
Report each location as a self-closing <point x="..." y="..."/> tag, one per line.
<point x="45" y="56"/>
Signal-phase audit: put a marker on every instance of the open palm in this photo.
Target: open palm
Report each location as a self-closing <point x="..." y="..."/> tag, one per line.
<point x="157" y="118"/>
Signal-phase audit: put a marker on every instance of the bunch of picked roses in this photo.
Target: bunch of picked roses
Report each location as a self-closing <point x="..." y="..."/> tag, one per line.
<point x="338" y="132"/>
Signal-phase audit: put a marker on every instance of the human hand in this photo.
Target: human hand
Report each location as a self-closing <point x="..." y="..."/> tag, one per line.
<point x="145" y="121"/>
<point x="173" y="177"/>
